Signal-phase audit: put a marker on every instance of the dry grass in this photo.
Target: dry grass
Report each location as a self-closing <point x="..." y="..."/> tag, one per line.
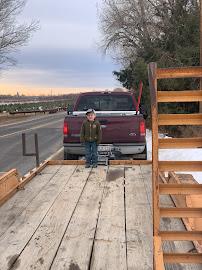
<point x="6" y="118"/>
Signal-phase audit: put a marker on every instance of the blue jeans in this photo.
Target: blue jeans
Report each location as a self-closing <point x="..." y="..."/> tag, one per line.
<point x="91" y="152"/>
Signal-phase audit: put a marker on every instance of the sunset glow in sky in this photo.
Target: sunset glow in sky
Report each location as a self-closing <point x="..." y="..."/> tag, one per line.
<point x="9" y="89"/>
<point x="62" y="56"/>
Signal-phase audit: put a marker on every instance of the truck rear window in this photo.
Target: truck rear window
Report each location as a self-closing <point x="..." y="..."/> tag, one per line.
<point x="106" y="103"/>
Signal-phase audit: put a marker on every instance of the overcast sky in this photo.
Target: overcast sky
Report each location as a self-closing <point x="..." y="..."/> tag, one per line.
<point x="64" y="52"/>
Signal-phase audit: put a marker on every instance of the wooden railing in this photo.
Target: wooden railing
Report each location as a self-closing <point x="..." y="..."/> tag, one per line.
<point x="159" y="188"/>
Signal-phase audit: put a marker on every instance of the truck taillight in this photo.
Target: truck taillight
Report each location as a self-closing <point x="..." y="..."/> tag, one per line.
<point x="65" y="128"/>
<point x="142" y="128"/>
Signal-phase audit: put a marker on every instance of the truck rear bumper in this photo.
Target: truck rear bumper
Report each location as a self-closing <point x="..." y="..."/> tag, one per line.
<point x="124" y="148"/>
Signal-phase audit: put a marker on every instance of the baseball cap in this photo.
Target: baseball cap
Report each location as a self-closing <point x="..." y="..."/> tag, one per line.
<point x="90" y="111"/>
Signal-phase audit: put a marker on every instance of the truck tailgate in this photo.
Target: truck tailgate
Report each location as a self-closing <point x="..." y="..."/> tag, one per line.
<point x="115" y="129"/>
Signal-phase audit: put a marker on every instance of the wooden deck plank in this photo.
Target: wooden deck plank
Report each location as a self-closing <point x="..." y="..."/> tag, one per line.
<point x="110" y="243"/>
<point x="66" y="162"/>
<point x="138" y="221"/>
<point x="129" y="162"/>
<point x="147" y="179"/>
<point x="44" y="244"/>
<point x="135" y="185"/>
<point x="146" y="172"/>
<point x="76" y="247"/>
<point x="146" y="169"/>
<point x="15" y="206"/>
<point x="51" y="169"/>
<point x="63" y="169"/>
<point x="20" y="232"/>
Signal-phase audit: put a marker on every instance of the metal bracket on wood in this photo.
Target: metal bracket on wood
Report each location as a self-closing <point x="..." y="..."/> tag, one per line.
<point x="24" y="152"/>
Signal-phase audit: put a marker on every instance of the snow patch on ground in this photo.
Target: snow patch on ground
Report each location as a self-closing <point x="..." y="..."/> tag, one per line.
<point x="176" y="154"/>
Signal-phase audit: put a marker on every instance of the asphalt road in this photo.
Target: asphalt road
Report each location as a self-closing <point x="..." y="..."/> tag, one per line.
<point x="49" y="129"/>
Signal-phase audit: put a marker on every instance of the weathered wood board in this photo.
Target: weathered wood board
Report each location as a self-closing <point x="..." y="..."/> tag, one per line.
<point x="70" y="217"/>
<point x="110" y="238"/>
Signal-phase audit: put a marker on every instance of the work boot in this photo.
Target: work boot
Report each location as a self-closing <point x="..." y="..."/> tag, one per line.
<point x="87" y="165"/>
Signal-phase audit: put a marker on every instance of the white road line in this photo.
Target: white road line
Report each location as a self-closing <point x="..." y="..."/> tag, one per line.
<point x="20" y="131"/>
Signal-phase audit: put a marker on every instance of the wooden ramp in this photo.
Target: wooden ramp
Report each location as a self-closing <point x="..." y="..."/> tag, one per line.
<point x="73" y="218"/>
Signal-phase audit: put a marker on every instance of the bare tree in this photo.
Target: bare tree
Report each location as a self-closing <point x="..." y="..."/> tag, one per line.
<point x="128" y="24"/>
<point x="124" y="26"/>
<point x="13" y="34"/>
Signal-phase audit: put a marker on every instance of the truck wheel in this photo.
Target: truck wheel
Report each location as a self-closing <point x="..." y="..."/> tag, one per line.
<point x="68" y="156"/>
<point x="142" y="156"/>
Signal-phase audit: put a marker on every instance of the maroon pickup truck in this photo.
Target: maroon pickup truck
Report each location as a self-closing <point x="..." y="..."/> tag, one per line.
<point x="123" y="130"/>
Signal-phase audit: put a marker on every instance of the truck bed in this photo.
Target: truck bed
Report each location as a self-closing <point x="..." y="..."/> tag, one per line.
<point x="73" y="218"/>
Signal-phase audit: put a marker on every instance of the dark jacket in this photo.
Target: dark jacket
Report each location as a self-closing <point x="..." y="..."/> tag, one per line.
<point x="91" y="131"/>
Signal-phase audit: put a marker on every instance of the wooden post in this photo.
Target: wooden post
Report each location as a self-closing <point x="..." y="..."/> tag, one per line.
<point x="158" y="253"/>
<point x="155" y="170"/>
<point x="200" y="103"/>
<point x="152" y="73"/>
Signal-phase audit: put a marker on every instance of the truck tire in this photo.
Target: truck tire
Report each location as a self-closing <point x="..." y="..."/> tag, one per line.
<point x="142" y="156"/>
<point x="68" y="156"/>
